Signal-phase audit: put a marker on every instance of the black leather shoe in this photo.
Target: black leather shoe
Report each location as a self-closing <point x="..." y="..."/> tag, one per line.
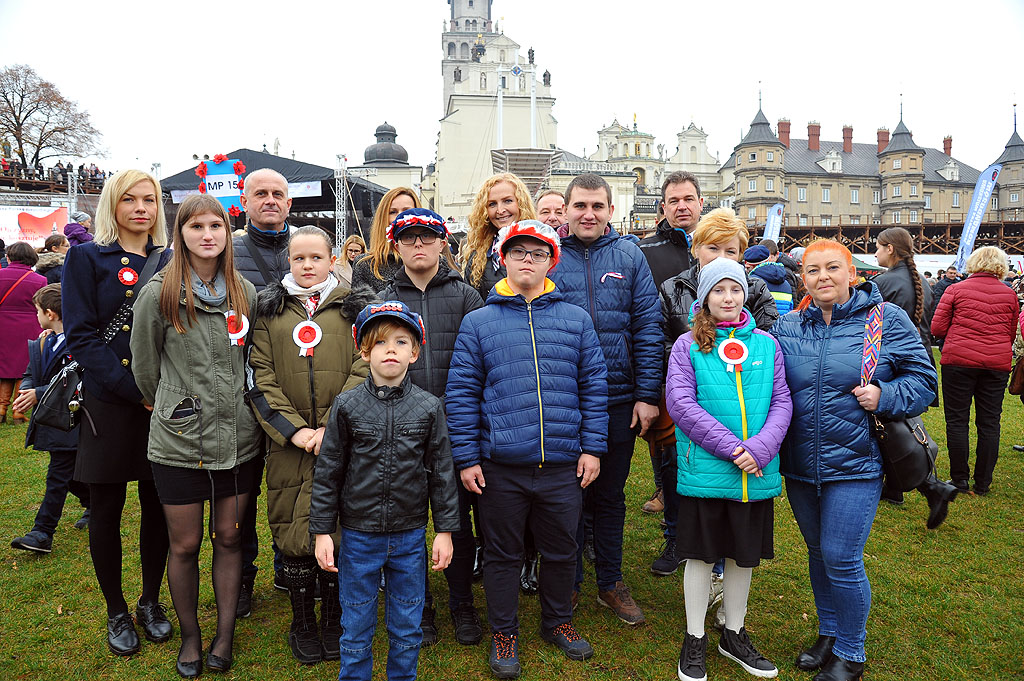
<point x="817" y="655"/>
<point x="938" y="494"/>
<point x="893" y="496"/>
<point x="189" y="670"/>
<point x="153" y="619"/>
<point x="122" y="638"/>
<point x="838" y="669"/>
<point x="216" y="663"/>
<point x="528" y="579"/>
<point x="244" y="607"/>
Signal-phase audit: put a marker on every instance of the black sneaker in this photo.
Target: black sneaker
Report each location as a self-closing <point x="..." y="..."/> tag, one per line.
<point x="504" y="657"/>
<point x="468" y="630"/>
<point x="588" y="552"/>
<point x="429" y="628"/>
<point x="36" y="541"/>
<point x="693" y="659"/>
<point x="244" y="607"/>
<point x="568" y="641"/>
<point x="666" y="564"/>
<point x="83" y="522"/>
<point x="279" y="581"/>
<point x="737" y="647"/>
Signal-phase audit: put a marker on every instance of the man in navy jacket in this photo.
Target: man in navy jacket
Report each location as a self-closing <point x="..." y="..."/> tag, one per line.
<point x="609" y="277"/>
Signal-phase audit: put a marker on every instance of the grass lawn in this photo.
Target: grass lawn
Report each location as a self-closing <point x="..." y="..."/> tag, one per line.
<point x="947" y="604"/>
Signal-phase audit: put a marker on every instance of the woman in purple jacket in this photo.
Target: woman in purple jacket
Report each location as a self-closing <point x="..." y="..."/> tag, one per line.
<point x="18" y="283"/>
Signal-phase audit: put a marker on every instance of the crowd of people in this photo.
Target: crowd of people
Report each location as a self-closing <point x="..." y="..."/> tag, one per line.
<point x="57" y="173"/>
<point x="496" y="386"/>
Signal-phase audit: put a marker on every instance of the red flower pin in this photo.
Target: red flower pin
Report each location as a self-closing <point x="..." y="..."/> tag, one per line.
<point x="241" y="184"/>
<point x="201" y="169"/>
<point x="202" y="187"/>
<point x="219" y="158"/>
<point x="234" y="211"/>
<point x="239" y="167"/>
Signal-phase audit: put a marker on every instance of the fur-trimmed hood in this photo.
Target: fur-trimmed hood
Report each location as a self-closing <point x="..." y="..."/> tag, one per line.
<point x="270" y="301"/>
<point x="47" y="261"/>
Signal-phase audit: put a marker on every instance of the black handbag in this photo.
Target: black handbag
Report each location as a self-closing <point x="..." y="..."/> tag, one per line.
<point x="908" y="452"/>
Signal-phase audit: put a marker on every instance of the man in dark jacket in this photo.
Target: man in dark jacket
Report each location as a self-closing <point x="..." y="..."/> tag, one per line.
<point x="442" y="299"/>
<point x="528" y="416"/>
<point x="609" y="278"/>
<point x="261" y="255"/>
<point x="759" y="264"/>
<point x="950" y="277"/>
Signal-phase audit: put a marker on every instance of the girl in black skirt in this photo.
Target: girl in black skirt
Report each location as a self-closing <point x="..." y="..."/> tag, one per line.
<point x="101" y="279"/>
<point x="188" y="345"/>
<point x="726" y="391"/>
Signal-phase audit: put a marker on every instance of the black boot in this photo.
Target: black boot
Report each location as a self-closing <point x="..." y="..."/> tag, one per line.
<point x="938" y="494"/>
<point x="303" y="635"/>
<point x="330" y="615"/>
<point x="817" y="655"/>
<point x="528" y="578"/>
<point x="838" y="669"/>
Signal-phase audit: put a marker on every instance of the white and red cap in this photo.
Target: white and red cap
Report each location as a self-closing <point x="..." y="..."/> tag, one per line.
<point x="416" y="217"/>
<point x="534" y="229"/>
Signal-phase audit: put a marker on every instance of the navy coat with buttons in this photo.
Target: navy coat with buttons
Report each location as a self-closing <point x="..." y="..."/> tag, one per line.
<point x="612" y="281"/>
<point x="91" y="294"/>
<point x="829" y="438"/>
<point x="40" y="371"/>
<point x="527" y="383"/>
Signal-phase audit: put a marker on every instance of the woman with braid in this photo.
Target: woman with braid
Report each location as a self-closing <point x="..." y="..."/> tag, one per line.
<point x="904" y="286"/>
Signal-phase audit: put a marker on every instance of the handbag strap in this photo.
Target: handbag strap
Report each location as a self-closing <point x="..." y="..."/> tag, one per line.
<point x="257" y="258"/>
<point x="14" y="286"/>
<point x="124" y="312"/>
<point x="872" y="344"/>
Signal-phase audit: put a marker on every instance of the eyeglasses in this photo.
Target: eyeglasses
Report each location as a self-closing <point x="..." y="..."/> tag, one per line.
<point x="426" y="238"/>
<point x="538" y="256"/>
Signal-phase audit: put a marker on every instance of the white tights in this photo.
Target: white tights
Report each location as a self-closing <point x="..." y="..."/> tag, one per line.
<point x="697" y="585"/>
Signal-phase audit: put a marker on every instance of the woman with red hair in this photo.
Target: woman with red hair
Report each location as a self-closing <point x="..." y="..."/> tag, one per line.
<point x="830" y="459"/>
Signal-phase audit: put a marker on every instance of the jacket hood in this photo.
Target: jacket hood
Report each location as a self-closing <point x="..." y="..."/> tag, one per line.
<point x="789" y="262"/>
<point x="863" y="297"/>
<point x="47" y="261"/>
<point x="671" y="233"/>
<point x="502" y="293"/>
<point x="270" y="301"/>
<point x="772" y="272"/>
<point x="572" y="243"/>
<point x="77" y="234"/>
<point x="444" y="273"/>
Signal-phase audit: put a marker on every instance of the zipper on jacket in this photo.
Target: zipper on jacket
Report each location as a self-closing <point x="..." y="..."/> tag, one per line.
<point x="817" y="409"/>
<point x="536" y="367"/>
<point x="743" y="415"/>
<point x="389" y="457"/>
<point x="590" y="287"/>
<point x="315" y="421"/>
<point x="425" y="350"/>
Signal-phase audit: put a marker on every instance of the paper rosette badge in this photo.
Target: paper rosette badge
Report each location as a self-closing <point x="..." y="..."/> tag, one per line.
<point x="238" y="327"/>
<point x="306" y="336"/>
<point x="733" y="352"/>
<point x="222" y="178"/>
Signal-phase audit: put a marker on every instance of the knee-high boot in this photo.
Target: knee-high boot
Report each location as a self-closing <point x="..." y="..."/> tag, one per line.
<point x="16" y="415"/>
<point x="303" y="635"/>
<point x="6" y="395"/>
<point x="330" y="614"/>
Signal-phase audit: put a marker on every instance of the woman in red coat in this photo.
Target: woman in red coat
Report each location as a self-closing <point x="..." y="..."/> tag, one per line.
<point x="18" y="283"/>
<point x="978" y="319"/>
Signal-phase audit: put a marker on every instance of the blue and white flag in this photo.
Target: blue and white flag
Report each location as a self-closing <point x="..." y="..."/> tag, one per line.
<point x="979" y="204"/>
<point x="773" y="227"/>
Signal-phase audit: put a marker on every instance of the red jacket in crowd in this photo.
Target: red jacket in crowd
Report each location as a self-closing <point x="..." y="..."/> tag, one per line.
<point x="978" y="317"/>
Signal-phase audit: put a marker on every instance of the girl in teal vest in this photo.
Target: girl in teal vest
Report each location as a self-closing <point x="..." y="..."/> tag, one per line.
<point x="726" y="392"/>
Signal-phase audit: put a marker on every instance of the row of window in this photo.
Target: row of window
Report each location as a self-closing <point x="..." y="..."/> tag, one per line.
<point x="897" y="163"/>
<point x="769" y="156"/>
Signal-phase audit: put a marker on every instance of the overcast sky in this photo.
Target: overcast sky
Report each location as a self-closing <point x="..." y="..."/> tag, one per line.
<point x="163" y="81"/>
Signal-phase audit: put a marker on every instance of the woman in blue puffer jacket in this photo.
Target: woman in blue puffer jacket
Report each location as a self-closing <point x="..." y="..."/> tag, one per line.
<point x="830" y="459"/>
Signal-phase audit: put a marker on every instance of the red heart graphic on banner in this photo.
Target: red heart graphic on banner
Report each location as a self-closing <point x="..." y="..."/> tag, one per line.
<point x="41" y="227"/>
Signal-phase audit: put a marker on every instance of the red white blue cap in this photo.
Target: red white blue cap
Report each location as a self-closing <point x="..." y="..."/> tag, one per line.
<point x="395" y="309"/>
<point x="535" y="229"/>
<point x="416" y="217"/>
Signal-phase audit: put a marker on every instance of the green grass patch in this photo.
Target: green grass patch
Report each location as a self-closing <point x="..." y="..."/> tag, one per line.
<point x="947" y="604"/>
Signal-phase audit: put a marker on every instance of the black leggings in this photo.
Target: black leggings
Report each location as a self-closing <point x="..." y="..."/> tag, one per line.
<point x="107" y="501"/>
<point x="185" y="527"/>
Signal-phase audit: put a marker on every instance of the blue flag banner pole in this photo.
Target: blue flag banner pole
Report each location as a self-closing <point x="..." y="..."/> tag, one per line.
<point x="773" y="227"/>
<point x="979" y="204"/>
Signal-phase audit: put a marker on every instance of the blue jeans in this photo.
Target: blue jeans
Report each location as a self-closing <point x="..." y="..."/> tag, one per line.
<point x="362" y="556"/>
<point x="835" y="526"/>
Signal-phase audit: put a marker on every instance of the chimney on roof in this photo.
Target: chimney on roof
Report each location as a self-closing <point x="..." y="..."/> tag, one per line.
<point x="883" y="139"/>
<point x="814" y="136"/>
<point x="947" y="145"/>
<point x="784" y="131"/>
<point x="847" y="139"/>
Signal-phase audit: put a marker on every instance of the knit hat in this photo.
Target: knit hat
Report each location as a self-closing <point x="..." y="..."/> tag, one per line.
<point x="79" y="216"/>
<point x="416" y="217"/>
<point x="535" y="229"/>
<point x="756" y="254"/>
<point x="797" y="253"/>
<point x="714" y="272"/>
<point x="389" y="308"/>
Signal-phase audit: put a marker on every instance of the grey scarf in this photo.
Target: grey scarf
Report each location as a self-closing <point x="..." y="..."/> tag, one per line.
<point x="201" y="290"/>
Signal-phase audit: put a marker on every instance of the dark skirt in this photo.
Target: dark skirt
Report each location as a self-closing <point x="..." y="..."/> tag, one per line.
<point x="118" y="451"/>
<point x="180" y="486"/>
<point x="710" y="529"/>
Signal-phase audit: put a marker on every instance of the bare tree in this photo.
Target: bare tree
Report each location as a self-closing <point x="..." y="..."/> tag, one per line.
<point x="41" y="121"/>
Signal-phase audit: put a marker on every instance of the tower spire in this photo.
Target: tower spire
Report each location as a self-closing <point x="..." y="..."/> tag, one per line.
<point x="758" y="94"/>
<point x="901" y="106"/>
